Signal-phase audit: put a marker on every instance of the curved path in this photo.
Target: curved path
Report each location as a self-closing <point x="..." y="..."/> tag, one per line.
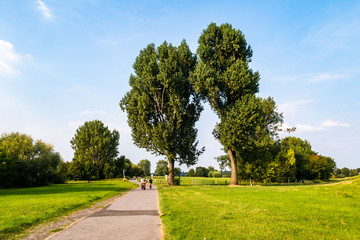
<point x="133" y="216"/>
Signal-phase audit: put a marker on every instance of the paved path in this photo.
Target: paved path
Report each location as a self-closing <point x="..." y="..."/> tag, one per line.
<point x="133" y="216"/>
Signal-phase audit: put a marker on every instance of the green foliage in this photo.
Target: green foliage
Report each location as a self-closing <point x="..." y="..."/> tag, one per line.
<point x="177" y="171"/>
<point x="145" y="166"/>
<point x="24" y="163"/>
<point x="191" y="173"/>
<point x="96" y="149"/>
<point x="161" y="168"/>
<point x="223" y="75"/>
<point x="162" y="107"/>
<point x="23" y="208"/>
<point x="309" y="165"/>
<point x="346" y="172"/>
<point x="224" y="79"/>
<point x="216" y="174"/>
<point x="201" y="172"/>
<point x="135" y="170"/>
<point x="224" y="162"/>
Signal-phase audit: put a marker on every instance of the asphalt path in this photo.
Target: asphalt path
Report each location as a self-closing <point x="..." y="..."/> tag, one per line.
<point x="133" y="216"/>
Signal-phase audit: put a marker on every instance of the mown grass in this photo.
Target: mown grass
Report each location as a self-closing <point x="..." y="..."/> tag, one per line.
<point x="323" y="211"/>
<point x="26" y="207"/>
<point x="197" y="180"/>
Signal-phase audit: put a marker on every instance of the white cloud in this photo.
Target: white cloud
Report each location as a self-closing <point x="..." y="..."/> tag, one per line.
<point x="93" y="112"/>
<point x="324" y="77"/>
<point x="45" y="10"/>
<point x="8" y="57"/>
<point x="322" y="127"/>
<point x="307" y="128"/>
<point x="330" y="123"/>
<point x="290" y="108"/>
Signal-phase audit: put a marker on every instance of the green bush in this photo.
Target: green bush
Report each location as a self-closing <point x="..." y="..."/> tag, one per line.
<point x="176" y="181"/>
<point x="216" y="174"/>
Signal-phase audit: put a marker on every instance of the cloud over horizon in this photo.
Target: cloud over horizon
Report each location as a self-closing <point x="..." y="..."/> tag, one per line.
<point x="300" y="128"/>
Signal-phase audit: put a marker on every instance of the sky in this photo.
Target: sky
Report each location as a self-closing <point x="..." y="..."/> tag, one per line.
<point x="64" y="62"/>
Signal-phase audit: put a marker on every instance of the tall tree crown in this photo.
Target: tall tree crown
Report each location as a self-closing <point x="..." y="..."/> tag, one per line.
<point x="223" y="75"/>
<point x="162" y="106"/>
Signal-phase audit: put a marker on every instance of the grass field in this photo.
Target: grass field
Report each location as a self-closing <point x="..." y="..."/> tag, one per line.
<point x="322" y="211"/>
<point x="198" y="180"/>
<point x="23" y="208"/>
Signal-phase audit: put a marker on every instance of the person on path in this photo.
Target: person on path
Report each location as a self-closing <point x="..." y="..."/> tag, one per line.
<point x="150" y="181"/>
<point x="143" y="183"/>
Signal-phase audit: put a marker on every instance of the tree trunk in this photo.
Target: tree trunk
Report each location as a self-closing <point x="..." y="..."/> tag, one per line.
<point x="170" y="178"/>
<point x="234" y="179"/>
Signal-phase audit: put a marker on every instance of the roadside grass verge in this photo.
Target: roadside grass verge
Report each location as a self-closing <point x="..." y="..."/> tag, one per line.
<point x="322" y="211"/>
<point x="26" y="207"/>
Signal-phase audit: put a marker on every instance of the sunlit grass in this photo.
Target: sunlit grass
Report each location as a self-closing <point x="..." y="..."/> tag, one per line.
<point x="327" y="211"/>
<point x="23" y="208"/>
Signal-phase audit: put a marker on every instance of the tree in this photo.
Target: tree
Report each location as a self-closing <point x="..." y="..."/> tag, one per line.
<point x="161" y="168"/>
<point x="177" y="171"/>
<point x="345" y="172"/>
<point x="320" y="167"/>
<point x="247" y="128"/>
<point x="302" y="151"/>
<point x="201" y="172"/>
<point x="223" y="76"/>
<point x="7" y="170"/>
<point x="216" y="174"/>
<point x="191" y="173"/>
<point x="145" y="165"/>
<point x="95" y="146"/>
<point x="353" y="172"/>
<point x="25" y="163"/>
<point x="162" y="107"/>
<point x="224" y="162"/>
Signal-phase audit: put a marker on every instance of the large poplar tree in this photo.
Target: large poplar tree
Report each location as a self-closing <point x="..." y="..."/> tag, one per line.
<point x="223" y="75"/>
<point x="162" y="107"/>
<point x="224" y="79"/>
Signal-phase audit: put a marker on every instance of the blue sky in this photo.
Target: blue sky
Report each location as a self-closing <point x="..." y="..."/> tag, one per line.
<point x="64" y="62"/>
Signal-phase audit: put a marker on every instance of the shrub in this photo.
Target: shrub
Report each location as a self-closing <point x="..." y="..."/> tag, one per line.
<point x="176" y="181"/>
<point x="216" y="174"/>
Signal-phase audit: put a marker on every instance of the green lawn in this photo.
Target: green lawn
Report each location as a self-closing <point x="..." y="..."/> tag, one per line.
<point x="23" y="208"/>
<point x="322" y="211"/>
<point x="197" y="180"/>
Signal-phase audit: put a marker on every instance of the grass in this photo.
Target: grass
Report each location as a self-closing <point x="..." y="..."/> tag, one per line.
<point x="322" y="211"/>
<point x="26" y="207"/>
<point x="197" y="180"/>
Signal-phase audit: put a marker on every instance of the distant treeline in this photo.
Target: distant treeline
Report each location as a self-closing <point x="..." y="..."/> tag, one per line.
<point x="346" y="172"/>
<point x="26" y="163"/>
<point x="290" y="159"/>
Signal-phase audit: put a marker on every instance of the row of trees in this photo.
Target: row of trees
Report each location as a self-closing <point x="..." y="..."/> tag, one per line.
<point x="346" y="172"/>
<point x="203" y="172"/>
<point x="169" y="84"/>
<point x="25" y="162"/>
